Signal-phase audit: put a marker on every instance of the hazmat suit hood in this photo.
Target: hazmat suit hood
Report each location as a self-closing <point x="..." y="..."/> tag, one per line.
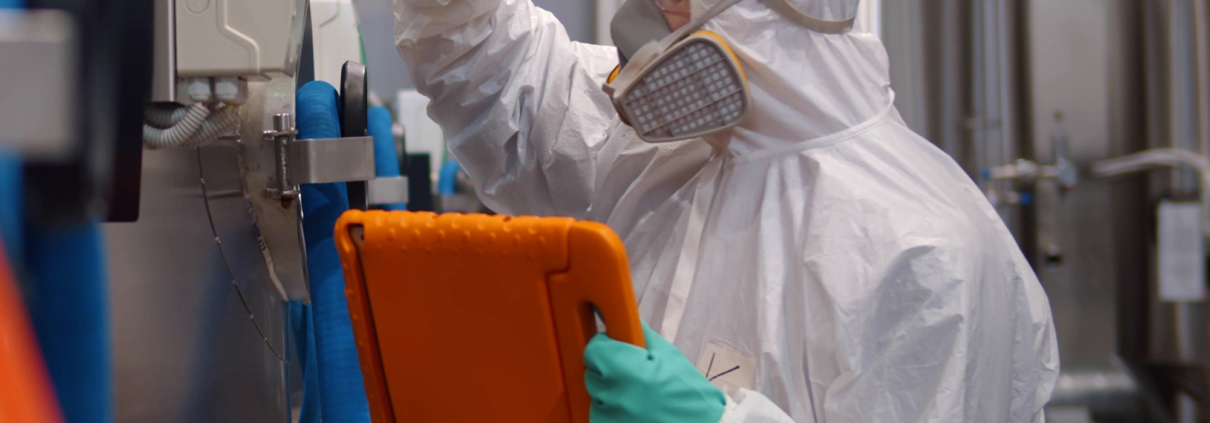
<point x="805" y="84"/>
<point x="828" y="10"/>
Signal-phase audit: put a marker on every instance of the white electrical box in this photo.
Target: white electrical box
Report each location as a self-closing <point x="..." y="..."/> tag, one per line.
<point x="238" y="38"/>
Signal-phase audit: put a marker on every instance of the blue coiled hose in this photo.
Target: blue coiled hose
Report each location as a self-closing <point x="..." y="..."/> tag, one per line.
<point x="69" y="308"/>
<point x="12" y="199"/>
<point x="447" y="179"/>
<point x="301" y="324"/>
<point x="342" y="392"/>
<point x="386" y="162"/>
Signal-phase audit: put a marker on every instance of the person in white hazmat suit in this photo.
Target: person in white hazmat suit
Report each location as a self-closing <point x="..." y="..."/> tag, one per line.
<point x="816" y="262"/>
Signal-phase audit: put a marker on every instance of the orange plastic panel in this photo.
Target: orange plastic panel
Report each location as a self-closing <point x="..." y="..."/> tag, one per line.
<point x="26" y="394"/>
<point x="473" y="318"/>
<point x="597" y="255"/>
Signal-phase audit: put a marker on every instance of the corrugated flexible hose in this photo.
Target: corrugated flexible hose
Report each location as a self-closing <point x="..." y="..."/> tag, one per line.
<point x="163" y="116"/>
<point x="179" y="126"/>
<point x="180" y="132"/>
<point x="220" y="122"/>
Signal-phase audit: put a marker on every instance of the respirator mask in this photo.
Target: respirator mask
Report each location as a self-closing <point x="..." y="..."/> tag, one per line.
<point x="688" y="83"/>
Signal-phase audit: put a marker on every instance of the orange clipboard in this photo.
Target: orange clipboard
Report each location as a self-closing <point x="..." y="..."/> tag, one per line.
<point x="475" y="318"/>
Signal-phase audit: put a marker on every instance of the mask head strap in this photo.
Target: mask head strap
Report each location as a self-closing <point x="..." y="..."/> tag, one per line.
<point x="787" y="10"/>
<point x="782" y="7"/>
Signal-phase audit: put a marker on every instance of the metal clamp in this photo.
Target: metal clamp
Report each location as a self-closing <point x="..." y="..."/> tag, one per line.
<point x="1029" y="172"/>
<point x="323" y="160"/>
<point x="282" y="136"/>
<point x="316" y="161"/>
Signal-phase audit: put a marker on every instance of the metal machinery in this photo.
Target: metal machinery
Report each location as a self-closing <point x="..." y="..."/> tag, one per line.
<point x="1048" y="104"/>
<point x="201" y="281"/>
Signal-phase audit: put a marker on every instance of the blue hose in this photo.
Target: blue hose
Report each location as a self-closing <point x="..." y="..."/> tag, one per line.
<point x="342" y="392"/>
<point x="69" y="309"/>
<point x="11" y="201"/>
<point x="385" y="159"/>
<point x="301" y="324"/>
<point x="379" y="127"/>
<point x="11" y="192"/>
<point x="447" y="179"/>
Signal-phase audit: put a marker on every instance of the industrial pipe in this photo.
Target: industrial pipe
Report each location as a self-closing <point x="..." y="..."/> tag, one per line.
<point x="1163" y="157"/>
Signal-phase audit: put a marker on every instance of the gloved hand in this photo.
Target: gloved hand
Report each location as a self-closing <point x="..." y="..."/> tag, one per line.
<point x="658" y="385"/>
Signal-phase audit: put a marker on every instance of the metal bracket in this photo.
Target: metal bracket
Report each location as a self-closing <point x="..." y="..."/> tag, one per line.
<point x="323" y="160"/>
<point x="316" y="161"/>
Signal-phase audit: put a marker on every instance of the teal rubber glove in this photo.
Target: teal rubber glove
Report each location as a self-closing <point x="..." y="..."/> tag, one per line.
<point x="657" y="385"/>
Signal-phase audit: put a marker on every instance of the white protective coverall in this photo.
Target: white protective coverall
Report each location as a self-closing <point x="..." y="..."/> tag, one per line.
<point x="848" y="268"/>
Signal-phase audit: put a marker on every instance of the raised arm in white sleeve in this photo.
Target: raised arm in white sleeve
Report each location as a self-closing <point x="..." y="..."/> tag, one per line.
<point x="520" y="103"/>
